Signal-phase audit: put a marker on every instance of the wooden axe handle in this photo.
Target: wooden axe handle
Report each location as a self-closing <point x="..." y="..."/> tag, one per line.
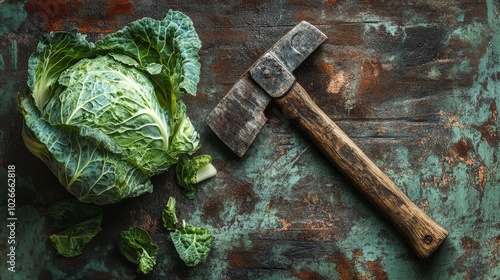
<point x="423" y="234"/>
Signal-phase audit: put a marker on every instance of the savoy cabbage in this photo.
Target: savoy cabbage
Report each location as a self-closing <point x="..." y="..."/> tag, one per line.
<point x="106" y="116"/>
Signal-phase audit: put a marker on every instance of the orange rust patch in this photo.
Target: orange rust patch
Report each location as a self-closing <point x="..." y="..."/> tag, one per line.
<point x="495" y="241"/>
<point x="53" y="13"/>
<point x="120" y="7"/>
<point x="375" y="271"/>
<point x="369" y="73"/>
<point x="452" y="120"/>
<point x="285" y="225"/>
<point x="470" y="247"/>
<point x="482" y="175"/>
<point x="424" y="205"/>
<point x="493" y="109"/>
<point x="331" y="2"/>
<point x="337" y="82"/>
<point x="325" y="67"/>
<point x="461" y="150"/>
<point x="344" y="267"/>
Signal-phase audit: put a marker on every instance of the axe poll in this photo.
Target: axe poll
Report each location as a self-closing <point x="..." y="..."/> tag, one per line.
<point x="239" y="117"/>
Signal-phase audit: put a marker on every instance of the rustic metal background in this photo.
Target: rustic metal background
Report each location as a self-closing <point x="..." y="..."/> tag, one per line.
<point x="415" y="84"/>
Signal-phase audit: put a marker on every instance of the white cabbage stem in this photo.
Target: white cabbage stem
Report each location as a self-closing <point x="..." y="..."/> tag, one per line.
<point x="205" y="172"/>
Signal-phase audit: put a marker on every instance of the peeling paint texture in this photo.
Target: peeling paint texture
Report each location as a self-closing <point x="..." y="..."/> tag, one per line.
<point x="416" y="84"/>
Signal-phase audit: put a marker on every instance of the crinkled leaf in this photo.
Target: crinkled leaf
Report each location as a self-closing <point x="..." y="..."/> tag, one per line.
<point x="55" y="53"/>
<point x="168" y="49"/>
<point x="192" y="243"/>
<point x="83" y="165"/>
<point x="186" y="173"/>
<point x="185" y="139"/>
<point x="168" y="215"/>
<point x="118" y="101"/>
<point x="138" y="247"/>
<point x="71" y="241"/>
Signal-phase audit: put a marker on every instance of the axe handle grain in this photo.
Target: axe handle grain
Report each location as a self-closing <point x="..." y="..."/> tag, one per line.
<point x="423" y="234"/>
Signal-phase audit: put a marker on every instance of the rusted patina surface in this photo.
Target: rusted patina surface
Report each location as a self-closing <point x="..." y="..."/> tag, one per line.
<point x="415" y="84"/>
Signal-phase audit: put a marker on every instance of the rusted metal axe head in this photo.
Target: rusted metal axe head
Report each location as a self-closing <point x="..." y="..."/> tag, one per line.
<point x="239" y="116"/>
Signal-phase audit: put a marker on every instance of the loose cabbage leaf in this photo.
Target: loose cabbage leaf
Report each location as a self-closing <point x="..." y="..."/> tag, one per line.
<point x="81" y="223"/>
<point x="189" y="172"/>
<point x="192" y="243"/>
<point x="137" y="246"/>
<point x="71" y="241"/>
<point x="168" y="215"/>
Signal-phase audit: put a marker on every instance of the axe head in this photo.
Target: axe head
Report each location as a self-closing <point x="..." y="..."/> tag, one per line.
<point x="239" y="116"/>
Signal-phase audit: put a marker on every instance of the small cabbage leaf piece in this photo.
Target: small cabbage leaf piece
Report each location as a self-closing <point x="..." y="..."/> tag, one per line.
<point x="106" y="116"/>
<point x="193" y="244"/>
<point x="190" y="172"/>
<point x="81" y="223"/>
<point x="138" y="247"/>
<point x="168" y="215"/>
<point x="71" y="241"/>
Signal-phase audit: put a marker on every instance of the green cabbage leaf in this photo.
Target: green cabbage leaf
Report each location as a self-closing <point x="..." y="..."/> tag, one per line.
<point x="71" y="241"/>
<point x="189" y="172"/>
<point x="80" y="221"/>
<point x="106" y="116"/>
<point x="193" y="244"/>
<point x="138" y="247"/>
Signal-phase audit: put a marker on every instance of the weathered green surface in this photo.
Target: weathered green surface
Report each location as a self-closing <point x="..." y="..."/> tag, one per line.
<point x="416" y="85"/>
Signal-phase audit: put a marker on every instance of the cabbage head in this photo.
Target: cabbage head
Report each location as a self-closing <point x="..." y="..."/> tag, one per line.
<point x="106" y="116"/>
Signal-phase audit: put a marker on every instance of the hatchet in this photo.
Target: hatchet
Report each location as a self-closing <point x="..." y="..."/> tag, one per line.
<point x="239" y="117"/>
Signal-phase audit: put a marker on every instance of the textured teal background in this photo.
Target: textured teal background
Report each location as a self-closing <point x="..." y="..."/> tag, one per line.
<point x="415" y="84"/>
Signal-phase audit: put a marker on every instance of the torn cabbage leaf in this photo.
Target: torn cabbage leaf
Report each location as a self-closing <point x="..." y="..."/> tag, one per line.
<point x="138" y="247"/>
<point x="189" y="172"/>
<point x="81" y="223"/>
<point x="106" y="116"/>
<point x="71" y="241"/>
<point x="193" y="244"/>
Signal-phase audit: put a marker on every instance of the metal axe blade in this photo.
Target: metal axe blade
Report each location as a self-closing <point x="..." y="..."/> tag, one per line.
<point x="239" y="116"/>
